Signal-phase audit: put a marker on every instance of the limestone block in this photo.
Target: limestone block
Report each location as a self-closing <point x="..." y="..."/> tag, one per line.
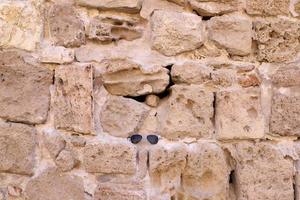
<point x="53" y="185"/>
<point x="170" y="36"/>
<point x="223" y="77"/>
<point x="73" y="98"/>
<point x="122" y="5"/>
<point x="65" y="161"/>
<point x="268" y="7"/>
<point x="262" y="172"/>
<point x="206" y="175"/>
<point x="17" y="148"/>
<point x="152" y="100"/>
<point x="65" y="27"/>
<point x="239" y="114"/>
<point x="286" y="76"/>
<point x="285" y="114"/>
<point x="56" y="54"/>
<point x="127" y="78"/>
<point x="214" y="7"/>
<point x="232" y="32"/>
<point x="110" y="157"/>
<point x="20" y="25"/>
<point x="190" y="73"/>
<point x="187" y="113"/>
<point x="113" y="28"/>
<point x="24" y="89"/>
<point x="54" y="142"/>
<point x="117" y="191"/>
<point x="277" y="39"/>
<point x="122" y="116"/>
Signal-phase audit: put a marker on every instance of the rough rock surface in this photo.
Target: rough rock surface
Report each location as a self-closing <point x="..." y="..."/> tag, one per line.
<point x="17" y="148"/>
<point x="56" y="54"/>
<point x="268" y="7"/>
<point x="73" y="98"/>
<point x="54" y="142"/>
<point x="24" y="89"/>
<point x="65" y="161"/>
<point x="214" y="7"/>
<point x="110" y="157"/>
<point x="122" y="116"/>
<point x="170" y="36"/>
<point x="286" y="76"/>
<point x="126" y="78"/>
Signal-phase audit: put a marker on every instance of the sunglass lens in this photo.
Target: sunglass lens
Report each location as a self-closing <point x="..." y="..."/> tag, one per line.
<point x="135" y="138"/>
<point x="153" y="139"/>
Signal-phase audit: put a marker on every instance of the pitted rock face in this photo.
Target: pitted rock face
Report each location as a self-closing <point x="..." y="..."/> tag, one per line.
<point x="269" y="7"/>
<point x="214" y="7"/>
<point x="24" y="89"/>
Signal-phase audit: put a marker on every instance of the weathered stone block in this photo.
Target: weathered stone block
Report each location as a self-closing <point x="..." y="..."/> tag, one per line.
<point x="239" y="114"/>
<point x="126" y="78"/>
<point x="73" y="98"/>
<point x="17" y="148"/>
<point x="268" y="7"/>
<point x="122" y="5"/>
<point x="20" y="25"/>
<point x="66" y="160"/>
<point x="187" y="113"/>
<point x="206" y="175"/>
<point x="232" y="32"/>
<point x="170" y="36"/>
<point x="286" y="76"/>
<point x="285" y="115"/>
<point x="262" y="172"/>
<point x="53" y="185"/>
<point x="122" y="116"/>
<point x="56" y="54"/>
<point x="214" y="7"/>
<point x="24" y="89"/>
<point x="110" y="157"/>
<point x="65" y="27"/>
<point x="54" y="142"/>
<point x="117" y="191"/>
<point x="277" y="39"/>
<point x="179" y="2"/>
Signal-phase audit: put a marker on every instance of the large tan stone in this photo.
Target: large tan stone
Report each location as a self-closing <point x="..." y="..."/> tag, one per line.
<point x="65" y="27"/>
<point x="277" y="39"/>
<point x="285" y="114"/>
<point x="24" y="89"/>
<point x="56" y="54"/>
<point x="110" y="157"/>
<point x="20" y="25"/>
<point x="126" y="78"/>
<point x="53" y="185"/>
<point x="268" y="7"/>
<point x="214" y="7"/>
<point x="117" y="191"/>
<point x="232" y="32"/>
<point x="239" y="114"/>
<point x="73" y="98"/>
<point x="170" y="36"/>
<point x="262" y="172"/>
<point x="113" y="28"/>
<point x="206" y="175"/>
<point x="17" y="148"/>
<point x="121" y="5"/>
<point x="122" y="116"/>
<point x="187" y="113"/>
<point x="286" y="76"/>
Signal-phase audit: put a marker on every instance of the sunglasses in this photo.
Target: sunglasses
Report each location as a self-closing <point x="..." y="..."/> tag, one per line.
<point x="136" y="138"/>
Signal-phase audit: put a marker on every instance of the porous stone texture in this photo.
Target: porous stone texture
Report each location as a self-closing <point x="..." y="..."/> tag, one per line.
<point x="73" y="92"/>
<point x="17" y="148"/>
<point x="24" y="89"/>
<point x="170" y="36"/>
<point x="86" y="85"/>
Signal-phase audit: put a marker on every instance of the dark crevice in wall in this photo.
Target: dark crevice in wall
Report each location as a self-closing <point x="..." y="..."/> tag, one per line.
<point x="231" y="177"/>
<point x="294" y="188"/>
<point x="214" y="107"/>
<point x="141" y="98"/>
<point x="166" y="92"/>
<point x="206" y="18"/>
<point x="148" y="158"/>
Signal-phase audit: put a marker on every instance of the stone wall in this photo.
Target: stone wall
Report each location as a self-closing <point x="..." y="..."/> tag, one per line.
<point x="217" y="80"/>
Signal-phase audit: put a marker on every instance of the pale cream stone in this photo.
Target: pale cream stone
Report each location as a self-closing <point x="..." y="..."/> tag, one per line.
<point x="110" y="157"/>
<point x="232" y="32"/>
<point x="168" y="31"/>
<point x="268" y="7"/>
<point x="17" y="148"/>
<point x="56" y="54"/>
<point x="214" y="7"/>
<point x="54" y="185"/>
<point x="206" y="175"/>
<point x="286" y="75"/>
<point x="285" y="114"/>
<point x="262" y="171"/>
<point x="20" y="25"/>
<point x="188" y="112"/>
<point x="24" y="89"/>
<point x="239" y="114"/>
<point x="152" y="100"/>
<point x="73" y="98"/>
<point x="127" y="78"/>
<point x="122" y="116"/>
